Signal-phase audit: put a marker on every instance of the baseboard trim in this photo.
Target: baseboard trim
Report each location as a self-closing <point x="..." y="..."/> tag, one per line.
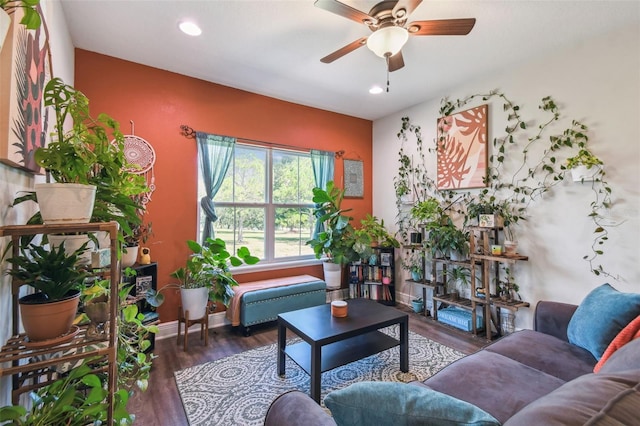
<point x="170" y="329"/>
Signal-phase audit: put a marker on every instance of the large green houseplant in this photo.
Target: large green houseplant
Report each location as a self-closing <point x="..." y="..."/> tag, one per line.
<point x="57" y="277"/>
<point x="337" y="239"/>
<point x="206" y="270"/>
<point x="91" y="154"/>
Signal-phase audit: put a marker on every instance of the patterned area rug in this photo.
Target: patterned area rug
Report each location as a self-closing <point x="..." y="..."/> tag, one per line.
<point x="238" y="390"/>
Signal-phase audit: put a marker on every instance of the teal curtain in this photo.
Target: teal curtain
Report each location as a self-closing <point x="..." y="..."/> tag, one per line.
<point x="216" y="153"/>
<point x="323" y="167"/>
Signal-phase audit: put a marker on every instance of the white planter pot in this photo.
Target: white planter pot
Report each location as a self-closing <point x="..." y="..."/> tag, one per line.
<point x="5" y="23"/>
<point x="130" y="256"/>
<point x="73" y="243"/>
<point x="65" y="203"/>
<point x="584" y="174"/>
<point x="332" y="275"/>
<point x="195" y="301"/>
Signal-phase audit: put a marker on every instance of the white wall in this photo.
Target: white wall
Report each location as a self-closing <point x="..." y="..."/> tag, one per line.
<point x="596" y="82"/>
<point x="12" y="180"/>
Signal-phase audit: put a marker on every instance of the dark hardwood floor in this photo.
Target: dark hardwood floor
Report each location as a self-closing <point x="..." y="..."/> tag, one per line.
<point x="161" y="404"/>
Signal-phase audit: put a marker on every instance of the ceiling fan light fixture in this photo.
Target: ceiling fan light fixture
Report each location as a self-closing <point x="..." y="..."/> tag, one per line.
<point x="387" y="41"/>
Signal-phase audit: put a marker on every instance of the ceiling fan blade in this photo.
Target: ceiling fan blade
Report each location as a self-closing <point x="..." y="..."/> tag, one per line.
<point x="396" y="62"/>
<point x="345" y="11"/>
<point x="442" y="27"/>
<point x="408" y="5"/>
<point x="344" y="50"/>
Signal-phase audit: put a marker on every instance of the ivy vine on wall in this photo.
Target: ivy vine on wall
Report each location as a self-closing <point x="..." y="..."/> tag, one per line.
<point x="542" y="161"/>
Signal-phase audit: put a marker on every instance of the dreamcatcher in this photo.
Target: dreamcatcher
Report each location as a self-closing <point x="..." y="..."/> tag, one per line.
<point x="140" y="157"/>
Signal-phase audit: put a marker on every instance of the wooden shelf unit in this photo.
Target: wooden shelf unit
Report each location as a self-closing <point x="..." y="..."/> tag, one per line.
<point x="365" y="280"/>
<point x="478" y="259"/>
<point x="35" y="365"/>
<point x="479" y="249"/>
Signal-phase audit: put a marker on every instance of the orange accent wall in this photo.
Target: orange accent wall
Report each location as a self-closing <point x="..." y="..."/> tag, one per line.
<point x="158" y="102"/>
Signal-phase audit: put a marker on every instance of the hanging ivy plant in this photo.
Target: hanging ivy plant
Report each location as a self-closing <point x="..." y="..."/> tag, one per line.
<point x="532" y="176"/>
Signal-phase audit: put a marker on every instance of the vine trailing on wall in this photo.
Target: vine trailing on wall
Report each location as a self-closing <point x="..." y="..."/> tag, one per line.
<point x="511" y="195"/>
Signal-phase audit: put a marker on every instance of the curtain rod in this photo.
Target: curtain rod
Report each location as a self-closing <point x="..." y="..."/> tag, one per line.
<point x="190" y="133"/>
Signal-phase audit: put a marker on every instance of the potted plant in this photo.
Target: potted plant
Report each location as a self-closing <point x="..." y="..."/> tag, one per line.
<point x="337" y="239"/>
<point x="375" y="230"/>
<point x="89" y="158"/>
<point x="449" y="241"/>
<point x="456" y="275"/>
<point x="584" y="165"/>
<point x="428" y="213"/>
<point x="205" y="276"/>
<point x="414" y="263"/>
<point x="57" y="278"/>
<point x="140" y="233"/>
<point x="507" y="285"/>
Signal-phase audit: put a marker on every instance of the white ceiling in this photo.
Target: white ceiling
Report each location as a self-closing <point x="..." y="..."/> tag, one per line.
<point x="273" y="47"/>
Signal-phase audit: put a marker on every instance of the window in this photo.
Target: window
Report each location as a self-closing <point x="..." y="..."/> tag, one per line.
<point x="265" y="203"/>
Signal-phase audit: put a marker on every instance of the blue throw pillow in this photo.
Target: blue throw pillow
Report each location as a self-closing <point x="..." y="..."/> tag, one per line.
<point x="600" y="317"/>
<point x="393" y="404"/>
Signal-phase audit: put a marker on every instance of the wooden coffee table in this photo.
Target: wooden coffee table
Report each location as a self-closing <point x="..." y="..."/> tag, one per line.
<point x="329" y="342"/>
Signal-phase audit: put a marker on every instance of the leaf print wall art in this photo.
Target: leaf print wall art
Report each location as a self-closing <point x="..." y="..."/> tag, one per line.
<point x="25" y="68"/>
<point x="462" y="149"/>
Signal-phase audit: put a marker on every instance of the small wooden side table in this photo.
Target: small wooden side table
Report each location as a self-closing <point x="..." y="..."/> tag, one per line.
<point x="188" y="322"/>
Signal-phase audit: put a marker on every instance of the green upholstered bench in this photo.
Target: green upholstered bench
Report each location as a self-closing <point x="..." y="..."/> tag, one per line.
<point x="261" y="301"/>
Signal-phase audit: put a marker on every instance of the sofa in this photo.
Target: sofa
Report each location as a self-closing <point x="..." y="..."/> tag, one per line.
<point x="543" y="376"/>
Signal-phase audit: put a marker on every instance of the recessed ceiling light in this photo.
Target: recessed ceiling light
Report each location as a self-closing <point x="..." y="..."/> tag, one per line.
<point x="375" y="90"/>
<point x="190" y="28"/>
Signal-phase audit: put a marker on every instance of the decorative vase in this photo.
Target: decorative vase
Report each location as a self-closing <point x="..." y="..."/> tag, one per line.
<point x="145" y="256"/>
<point x="195" y="301"/>
<point x="416" y="276"/>
<point x="65" y="203"/>
<point x="332" y="275"/>
<point x="417" y="305"/>
<point x="44" y="320"/>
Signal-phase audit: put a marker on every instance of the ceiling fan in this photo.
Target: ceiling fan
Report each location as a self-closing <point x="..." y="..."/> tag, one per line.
<point x="388" y="21"/>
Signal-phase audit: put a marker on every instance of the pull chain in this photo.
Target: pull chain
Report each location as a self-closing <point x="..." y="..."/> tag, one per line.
<point x="387" y="56"/>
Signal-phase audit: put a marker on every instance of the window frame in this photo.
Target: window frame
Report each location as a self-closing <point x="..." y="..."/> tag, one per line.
<point x="268" y="206"/>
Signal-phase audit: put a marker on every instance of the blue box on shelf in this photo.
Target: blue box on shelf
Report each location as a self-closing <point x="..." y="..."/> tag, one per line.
<point x="459" y="318"/>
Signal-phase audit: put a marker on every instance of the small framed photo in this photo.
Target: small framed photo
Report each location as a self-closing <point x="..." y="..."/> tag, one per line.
<point x="143" y="284"/>
<point x="385" y="259"/>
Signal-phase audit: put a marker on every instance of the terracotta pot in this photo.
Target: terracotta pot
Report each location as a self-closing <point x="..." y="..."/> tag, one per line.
<point x="44" y="320"/>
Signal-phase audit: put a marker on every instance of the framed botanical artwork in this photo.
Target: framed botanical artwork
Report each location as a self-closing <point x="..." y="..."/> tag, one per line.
<point x="25" y="69"/>
<point x="462" y="149"/>
<point x="353" y="179"/>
